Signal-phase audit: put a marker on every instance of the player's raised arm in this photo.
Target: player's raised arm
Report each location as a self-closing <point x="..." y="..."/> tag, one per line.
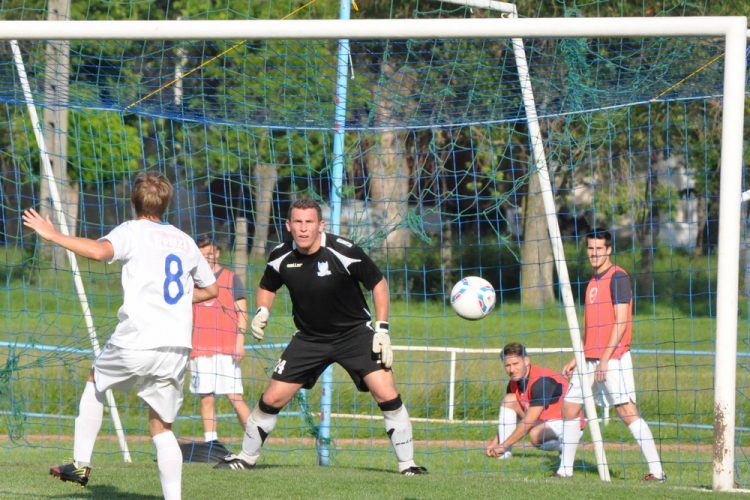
<point x="91" y="249"/>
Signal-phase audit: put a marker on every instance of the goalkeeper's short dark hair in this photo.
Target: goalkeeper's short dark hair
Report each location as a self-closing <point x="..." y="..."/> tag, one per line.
<point x="600" y="234"/>
<point x="305" y="204"/>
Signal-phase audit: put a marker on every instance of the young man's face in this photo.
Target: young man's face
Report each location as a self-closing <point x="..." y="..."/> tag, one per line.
<point x="516" y="367"/>
<point x="211" y="253"/>
<point x="305" y="228"/>
<point x="598" y="253"/>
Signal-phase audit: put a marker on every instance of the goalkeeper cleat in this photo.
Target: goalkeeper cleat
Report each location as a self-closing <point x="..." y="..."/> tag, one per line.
<point x="557" y="475"/>
<point x="71" y="472"/>
<point x="415" y="470"/>
<point x="653" y="479"/>
<point x="233" y="462"/>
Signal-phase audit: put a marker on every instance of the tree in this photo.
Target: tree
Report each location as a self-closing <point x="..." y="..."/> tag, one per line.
<point x="55" y="127"/>
<point x="386" y="161"/>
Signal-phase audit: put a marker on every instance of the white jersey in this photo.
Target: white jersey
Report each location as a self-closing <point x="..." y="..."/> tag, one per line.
<point x="160" y="264"/>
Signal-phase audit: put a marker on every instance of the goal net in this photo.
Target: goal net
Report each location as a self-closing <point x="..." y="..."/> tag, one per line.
<point x="439" y="179"/>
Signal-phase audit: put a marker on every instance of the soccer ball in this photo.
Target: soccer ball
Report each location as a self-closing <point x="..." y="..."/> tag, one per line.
<point x="473" y="298"/>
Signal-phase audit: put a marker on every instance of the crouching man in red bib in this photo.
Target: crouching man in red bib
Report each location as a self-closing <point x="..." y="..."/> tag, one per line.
<point x="532" y="405"/>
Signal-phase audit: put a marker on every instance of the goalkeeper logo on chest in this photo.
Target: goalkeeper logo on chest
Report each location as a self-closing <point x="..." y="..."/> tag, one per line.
<point x="324" y="275"/>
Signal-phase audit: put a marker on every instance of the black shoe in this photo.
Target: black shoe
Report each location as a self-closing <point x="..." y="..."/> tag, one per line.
<point x="415" y="470"/>
<point x="558" y="475"/>
<point x="653" y="479"/>
<point x="71" y="472"/>
<point x="233" y="462"/>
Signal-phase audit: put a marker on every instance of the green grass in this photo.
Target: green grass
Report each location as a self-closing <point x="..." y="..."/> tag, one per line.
<point x="40" y="307"/>
<point x="274" y="479"/>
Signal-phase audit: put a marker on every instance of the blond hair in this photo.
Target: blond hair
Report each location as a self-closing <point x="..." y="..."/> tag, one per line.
<point x="151" y="194"/>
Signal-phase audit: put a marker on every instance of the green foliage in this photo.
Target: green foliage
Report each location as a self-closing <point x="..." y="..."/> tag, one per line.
<point x="421" y="274"/>
<point x="103" y="147"/>
<point x="14" y="264"/>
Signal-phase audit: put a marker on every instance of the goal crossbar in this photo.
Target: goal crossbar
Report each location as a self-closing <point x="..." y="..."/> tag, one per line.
<point x="358" y="29"/>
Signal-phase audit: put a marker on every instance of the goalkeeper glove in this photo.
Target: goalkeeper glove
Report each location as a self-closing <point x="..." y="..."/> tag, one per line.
<point x="381" y="344"/>
<point x="259" y="323"/>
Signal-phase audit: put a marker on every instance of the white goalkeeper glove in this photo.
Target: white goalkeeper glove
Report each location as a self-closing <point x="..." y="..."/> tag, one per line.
<point x="381" y="344"/>
<point x="260" y="320"/>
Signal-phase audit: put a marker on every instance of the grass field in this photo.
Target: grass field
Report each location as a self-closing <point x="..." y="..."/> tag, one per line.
<point x="140" y="481"/>
<point x="40" y="391"/>
<point x="282" y="475"/>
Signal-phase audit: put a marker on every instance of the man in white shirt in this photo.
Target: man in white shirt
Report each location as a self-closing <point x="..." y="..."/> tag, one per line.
<point x="163" y="274"/>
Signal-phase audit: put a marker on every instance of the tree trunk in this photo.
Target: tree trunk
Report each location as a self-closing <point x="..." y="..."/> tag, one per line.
<point x="701" y="243"/>
<point x="55" y="127"/>
<point x="537" y="263"/>
<point x="265" y="183"/>
<point x="239" y="261"/>
<point x="389" y="189"/>
<point x="182" y="174"/>
<point x="10" y="203"/>
<point x="388" y="167"/>
<point x="645" y="275"/>
<point x="446" y="247"/>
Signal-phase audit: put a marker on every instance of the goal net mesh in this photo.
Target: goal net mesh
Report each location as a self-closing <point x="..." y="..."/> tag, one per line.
<point x="439" y="183"/>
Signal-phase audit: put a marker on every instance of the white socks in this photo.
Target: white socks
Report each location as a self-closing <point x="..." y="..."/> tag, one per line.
<point x="645" y="439"/>
<point x="259" y="426"/>
<point x="508" y="423"/>
<point x="169" y="460"/>
<point x="570" y="438"/>
<point x="398" y="428"/>
<point x="640" y="431"/>
<point x="87" y="425"/>
<point x="210" y="436"/>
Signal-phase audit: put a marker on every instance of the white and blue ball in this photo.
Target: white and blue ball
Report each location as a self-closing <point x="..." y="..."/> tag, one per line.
<point x="473" y="298"/>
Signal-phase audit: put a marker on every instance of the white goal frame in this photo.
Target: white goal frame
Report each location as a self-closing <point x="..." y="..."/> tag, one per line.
<point x="732" y="29"/>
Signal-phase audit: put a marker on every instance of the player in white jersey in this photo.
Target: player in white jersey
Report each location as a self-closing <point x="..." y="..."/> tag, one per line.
<point x="163" y="273"/>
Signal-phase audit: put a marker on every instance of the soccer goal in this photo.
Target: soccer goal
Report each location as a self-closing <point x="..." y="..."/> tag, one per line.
<point x="446" y="148"/>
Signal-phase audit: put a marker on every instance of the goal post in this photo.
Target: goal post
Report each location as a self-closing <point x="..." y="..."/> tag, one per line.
<point x="732" y="29"/>
<point x="64" y="229"/>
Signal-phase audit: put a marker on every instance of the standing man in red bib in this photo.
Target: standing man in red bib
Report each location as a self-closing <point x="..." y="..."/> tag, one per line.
<point x="219" y="344"/>
<point x="608" y="320"/>
<point x="532" y="405"/>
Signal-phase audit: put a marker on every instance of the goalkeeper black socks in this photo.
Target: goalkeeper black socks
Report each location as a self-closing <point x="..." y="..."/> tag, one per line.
<point x="398" y="428"/>
<point x="260" y="424"/>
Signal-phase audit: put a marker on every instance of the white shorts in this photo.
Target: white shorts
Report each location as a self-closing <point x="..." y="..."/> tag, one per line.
<point x="618" y="389"/>
<point x="555" y="426"/>
<point x="217" y="374"/>
<point x="160" y="374"/>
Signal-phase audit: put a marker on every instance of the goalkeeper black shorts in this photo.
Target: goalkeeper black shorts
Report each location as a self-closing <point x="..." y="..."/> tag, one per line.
<point x="302" y="362"/>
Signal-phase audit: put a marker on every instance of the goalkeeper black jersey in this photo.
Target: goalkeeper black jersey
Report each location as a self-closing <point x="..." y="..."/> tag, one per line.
<point x="327" y="298"/>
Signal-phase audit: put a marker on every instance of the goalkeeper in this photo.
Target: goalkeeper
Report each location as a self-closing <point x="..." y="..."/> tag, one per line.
<point x="322" y="273"/>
